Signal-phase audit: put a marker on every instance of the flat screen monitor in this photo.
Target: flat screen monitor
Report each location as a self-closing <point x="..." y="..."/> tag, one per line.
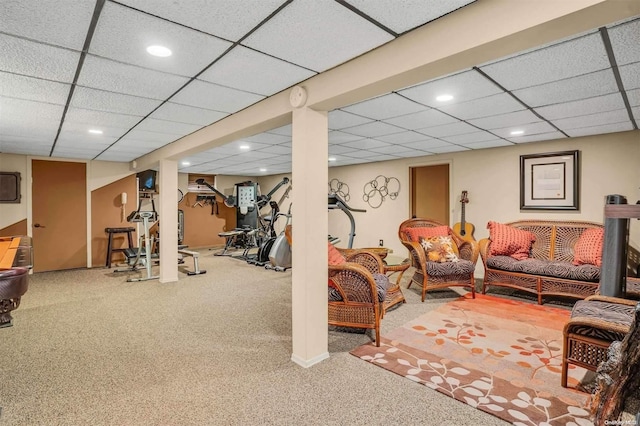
<point x="147" y="180"/>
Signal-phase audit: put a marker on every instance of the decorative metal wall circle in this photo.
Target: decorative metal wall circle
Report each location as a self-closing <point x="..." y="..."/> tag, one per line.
<point x="378" y="189"/>
<point x="339" y="188"/>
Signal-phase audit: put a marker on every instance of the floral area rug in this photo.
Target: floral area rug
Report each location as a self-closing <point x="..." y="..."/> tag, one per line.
<point x="498" y="355"/>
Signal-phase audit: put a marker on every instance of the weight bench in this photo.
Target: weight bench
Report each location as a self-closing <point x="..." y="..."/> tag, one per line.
<point x="244" y="238"/>
<point x="195" y="255"/>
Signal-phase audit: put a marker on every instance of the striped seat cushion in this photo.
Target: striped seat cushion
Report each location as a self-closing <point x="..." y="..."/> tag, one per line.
<point x="594" y="309"/>
<point x="546" y="268"/>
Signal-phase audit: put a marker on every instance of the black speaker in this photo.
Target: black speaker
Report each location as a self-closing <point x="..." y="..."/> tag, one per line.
<point x="613" y="274"/>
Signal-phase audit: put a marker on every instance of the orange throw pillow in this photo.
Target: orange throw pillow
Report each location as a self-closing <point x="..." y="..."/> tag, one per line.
<point x="509" y="241"/>
<point x="588" y="248"/>
<point x="414" y="234"/>
<point x="335" y="257"/>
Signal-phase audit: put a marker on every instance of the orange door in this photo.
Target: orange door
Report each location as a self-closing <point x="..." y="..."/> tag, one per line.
<point x="59" y="200"/>
<point x="430" y="192"/>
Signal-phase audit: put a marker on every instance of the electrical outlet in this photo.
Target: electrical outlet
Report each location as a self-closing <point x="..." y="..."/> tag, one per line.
<point x="381" y="243"/>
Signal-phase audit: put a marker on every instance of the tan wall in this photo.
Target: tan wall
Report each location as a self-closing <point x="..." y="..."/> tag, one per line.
<point x="202" y="224"/>
<point x="106" y="213"/>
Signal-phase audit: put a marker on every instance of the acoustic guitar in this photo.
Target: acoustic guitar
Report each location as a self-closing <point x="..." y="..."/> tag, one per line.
<point x="463" y="228"/>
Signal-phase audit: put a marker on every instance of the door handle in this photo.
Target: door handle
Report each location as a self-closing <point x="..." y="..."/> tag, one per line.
<point x="37" y="225"/>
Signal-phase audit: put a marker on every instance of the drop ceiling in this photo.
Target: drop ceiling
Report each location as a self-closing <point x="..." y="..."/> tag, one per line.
<point x="72" y="66"/>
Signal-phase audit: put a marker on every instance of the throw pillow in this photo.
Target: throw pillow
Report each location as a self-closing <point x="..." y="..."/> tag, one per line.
<point x="414" y="234"/>
<point x="335" y="257"/>
<point x="439" y="249"/>
<point x="588" y="248"/>
<point x="509" y="241"/>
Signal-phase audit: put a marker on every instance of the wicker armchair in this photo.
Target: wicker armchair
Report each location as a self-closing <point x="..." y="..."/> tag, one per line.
<point x="433" y="275"/>
<point x="355" y="299"/>
<point x="595" y="323"/>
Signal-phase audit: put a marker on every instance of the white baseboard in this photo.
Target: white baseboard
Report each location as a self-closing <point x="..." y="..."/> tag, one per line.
<point x="306" y="363"/>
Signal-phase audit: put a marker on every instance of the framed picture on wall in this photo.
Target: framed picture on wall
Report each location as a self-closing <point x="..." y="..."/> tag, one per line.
<point x="550" y="181"/>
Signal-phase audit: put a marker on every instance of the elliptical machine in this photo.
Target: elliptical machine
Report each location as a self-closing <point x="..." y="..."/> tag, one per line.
<point x="262" y="256"/>
<point x="280" y="253"/>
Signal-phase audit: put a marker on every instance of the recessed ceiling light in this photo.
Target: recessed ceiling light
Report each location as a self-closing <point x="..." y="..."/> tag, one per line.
<point x="95" y="131"/>
<point x="332" y="158"/>
<point x="245" y="147"/>
<point x="517" y="132"/>
<point x="263" y="169"/>
<point x="186" y="163"/>
<point x="159" y="51"/>
<point x="444" y="98"/>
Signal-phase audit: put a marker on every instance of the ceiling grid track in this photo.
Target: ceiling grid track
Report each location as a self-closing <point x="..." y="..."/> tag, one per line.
<point x="192" y="79"/>
<point x="85" y="48"/>
<point x="508" y="92"/>
<point x="616" y="73"/>
<point x="367" y="17"/>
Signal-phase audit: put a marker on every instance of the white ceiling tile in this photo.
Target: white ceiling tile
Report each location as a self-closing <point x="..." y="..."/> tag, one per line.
<point x="361" y="154"/>
<point x="256" y="155"/>
<point x="634" y="97"/>
<point x="609" y="117"/>
<point x="170" y="127"/>
<point x="341" y="149"/>
<point x="420" y="120"/>
<point x="81" y="131"/>
<point x="211" y="96"/>
<point x="597" y="104"/>
<point x="278" y="149"/>
<point x="504" y="120"/>
<point x="278" y="159"/>
<point x="33" y="89"/>
<point x="153" y="137"/>
<point x="560" y="61"/>
<point x="392" y="149"/>
<point x="382" y="107"/>
<point x="19" y="109"/>
<point x="625" y="41"/>
<point x="426" y="145"/>
<point x="381" y="157"/>
<point x="599" y="130"/>
<point x="464" y="86"/>
<point x="21" y="56"/>
<point x="336" y="137"/>
<point x="187" y="114"/>
<point x="252" y="71"/>
<point x="408" y="14"/>
<point x="453" y="129"/>
<point x="81" y="153"/>
<point x="325" y="24"/>
<point x="99" y="73"/>
<point x="636" y="115"/>
<point x="488" y="144"/>
<point x="131" y="147"/>
<point x="284" y="130"/>
<point x="100" y="119"/>
<point x="483" y="107"/>
<point x="376" y="128"/>
<point x="404" y="137"/>
<point x="228" y="19"/>
<point x="448" y="148"/>
<point x="537" y="138"/>
<point x="571" y="89"/>
<point x="412" y="153"/>
<point x="365" y="144"/>
<point x="123" y="157"/>
<point x="123" y="34"/>
<point x="61" y="22"/>
<point x="24" y="149"/>
<point x="100" y="100"/>
<point x="339" y="119"/>
<point x="468" y="138"/>
<point x="630" y="75"/>
<point x="529" y="129"/>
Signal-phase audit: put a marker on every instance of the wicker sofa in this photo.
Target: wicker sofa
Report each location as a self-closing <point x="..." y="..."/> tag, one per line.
<point x="548" y="270"/>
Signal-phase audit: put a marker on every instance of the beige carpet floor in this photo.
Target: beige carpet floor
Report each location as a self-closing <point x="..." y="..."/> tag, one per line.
<point x="89" y="348"/>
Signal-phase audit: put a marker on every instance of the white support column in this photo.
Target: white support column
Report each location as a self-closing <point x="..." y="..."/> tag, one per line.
<point x="310" y="227"/>
<point x="168" y="212"/>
